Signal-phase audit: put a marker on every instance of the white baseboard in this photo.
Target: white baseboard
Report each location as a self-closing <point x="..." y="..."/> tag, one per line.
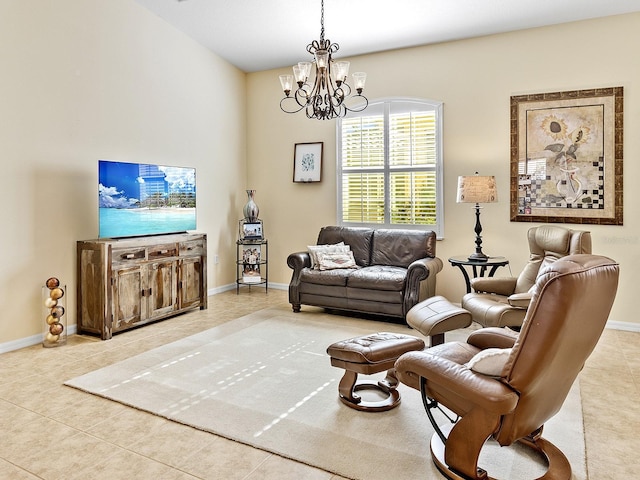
<point x="29" y="341"/>
<point x="72" y="329"/>
<point x="231" y="286"/>
<point x="626" y="326"/>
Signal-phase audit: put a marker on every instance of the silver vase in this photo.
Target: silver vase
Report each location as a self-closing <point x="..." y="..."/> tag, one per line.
<point x="251" y="210"/>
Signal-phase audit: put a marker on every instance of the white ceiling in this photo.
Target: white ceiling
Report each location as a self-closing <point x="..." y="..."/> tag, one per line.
<point x="260" y="35"/>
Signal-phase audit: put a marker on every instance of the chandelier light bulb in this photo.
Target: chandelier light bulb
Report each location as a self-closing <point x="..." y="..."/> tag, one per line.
<point x="286" y="81"/>
<point x="322" y="59"/>
<point x="299" y="75"/>
<point x="305" y="69"/>
<point x="341" y="70"/>
<point x="358" y="81"/>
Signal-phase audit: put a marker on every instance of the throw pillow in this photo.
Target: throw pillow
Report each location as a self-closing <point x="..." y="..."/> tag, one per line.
<point x="330" y="261"/>
<point x="314" y="250"/>
<point x="490" y="361"/>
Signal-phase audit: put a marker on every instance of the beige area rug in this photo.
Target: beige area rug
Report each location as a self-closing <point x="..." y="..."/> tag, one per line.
<point x="265" y="380"/>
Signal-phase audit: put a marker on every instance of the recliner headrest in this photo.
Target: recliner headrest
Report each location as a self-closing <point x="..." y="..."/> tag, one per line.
<point x="554" y="239"/>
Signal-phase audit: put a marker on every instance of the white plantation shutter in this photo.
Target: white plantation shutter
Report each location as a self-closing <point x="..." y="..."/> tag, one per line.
<point x="389" y="164"/>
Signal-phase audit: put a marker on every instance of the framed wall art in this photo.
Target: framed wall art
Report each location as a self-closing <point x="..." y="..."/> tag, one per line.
<point x="566" y="157"/>
<point x="307" y="162"/>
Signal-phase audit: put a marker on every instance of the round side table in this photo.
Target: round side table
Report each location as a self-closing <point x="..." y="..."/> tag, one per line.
<point x="479" y="268"/>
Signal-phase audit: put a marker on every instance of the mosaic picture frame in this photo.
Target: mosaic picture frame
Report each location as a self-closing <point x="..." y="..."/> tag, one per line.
<point x="566" y="157"/>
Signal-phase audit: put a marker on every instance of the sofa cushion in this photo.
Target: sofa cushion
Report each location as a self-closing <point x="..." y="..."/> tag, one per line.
<point x="336" y="277"/>
<point x="330" y="261"/>
<point x="378" y="277"/>
<point x="358" y="238"/>
<point x="378" y="296"/>
<point x="315" y="250"/>
<point x="401" y="247"/>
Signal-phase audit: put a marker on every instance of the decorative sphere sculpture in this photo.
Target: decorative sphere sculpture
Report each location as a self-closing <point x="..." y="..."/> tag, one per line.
<point x="56" y="329"/>
<point x="56" y="293"/>
<point x="52" y="338"/>
<point x="52" y="292"/>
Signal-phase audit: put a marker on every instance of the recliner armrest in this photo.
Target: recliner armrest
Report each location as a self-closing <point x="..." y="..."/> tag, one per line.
<point x="499" y="285"/>
<point x="493" y="337"/>
<point x="520" y="300"/>
<point x="486" y="392"/>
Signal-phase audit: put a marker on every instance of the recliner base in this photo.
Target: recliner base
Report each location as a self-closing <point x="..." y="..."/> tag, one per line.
<point x="559" y="467"/>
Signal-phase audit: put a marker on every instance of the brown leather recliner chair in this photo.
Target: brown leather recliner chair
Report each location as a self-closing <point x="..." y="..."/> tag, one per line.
<point x="517" y="393"/>
<point x="503" y="301"/>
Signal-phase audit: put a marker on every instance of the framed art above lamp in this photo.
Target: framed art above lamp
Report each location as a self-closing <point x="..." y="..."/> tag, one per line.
<point x="477" y="189"/>
<point x="567" y="157"/>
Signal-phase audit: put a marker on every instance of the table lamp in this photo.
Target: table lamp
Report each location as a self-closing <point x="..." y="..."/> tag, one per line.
<point x="477" y="189"/>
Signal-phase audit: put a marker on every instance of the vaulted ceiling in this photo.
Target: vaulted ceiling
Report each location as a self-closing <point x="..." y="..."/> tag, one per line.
<point x="259" y="35"/>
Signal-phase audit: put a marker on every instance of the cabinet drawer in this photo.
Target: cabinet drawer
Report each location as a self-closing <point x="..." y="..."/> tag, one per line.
<point x="129" y="255"/>
<point x="194" y="247"/>
<point x="163" y="251"/>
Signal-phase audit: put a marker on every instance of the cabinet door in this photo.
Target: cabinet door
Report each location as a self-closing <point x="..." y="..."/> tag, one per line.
<point x="190" y="286"/>
<point x="128" y="305"/>
<point x="162" y="288"/>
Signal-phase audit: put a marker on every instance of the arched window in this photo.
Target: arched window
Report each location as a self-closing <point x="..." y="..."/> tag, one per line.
<point x="390" y="165"/>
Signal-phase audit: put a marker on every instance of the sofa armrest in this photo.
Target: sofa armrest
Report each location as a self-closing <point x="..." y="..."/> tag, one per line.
<point x="419" y="270"/>
<point x="499" y="285"/>
<point x="297" y="261"/>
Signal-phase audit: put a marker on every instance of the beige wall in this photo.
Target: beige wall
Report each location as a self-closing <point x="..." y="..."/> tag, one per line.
<point x="475" y="79"/>
<point x="84" y="80"/>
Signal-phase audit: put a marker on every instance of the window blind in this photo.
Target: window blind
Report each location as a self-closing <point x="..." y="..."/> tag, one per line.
<point x="388" y="163"/>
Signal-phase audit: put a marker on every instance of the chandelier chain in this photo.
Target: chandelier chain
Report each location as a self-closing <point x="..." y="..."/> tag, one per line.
<point x="322" y="21"/>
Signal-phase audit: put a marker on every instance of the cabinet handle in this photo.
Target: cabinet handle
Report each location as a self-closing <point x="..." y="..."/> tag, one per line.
<point x="142" y="292"/>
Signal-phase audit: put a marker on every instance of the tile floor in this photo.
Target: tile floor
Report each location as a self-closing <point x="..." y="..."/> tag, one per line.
<point x="48" y="431"/>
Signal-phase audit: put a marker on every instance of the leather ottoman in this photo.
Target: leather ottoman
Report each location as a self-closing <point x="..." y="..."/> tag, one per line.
<point x="435" y="316"/>
<point x="367" y="355"/>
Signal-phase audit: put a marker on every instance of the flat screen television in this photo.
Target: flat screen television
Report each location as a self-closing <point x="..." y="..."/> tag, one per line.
<point x="138" y="199"/>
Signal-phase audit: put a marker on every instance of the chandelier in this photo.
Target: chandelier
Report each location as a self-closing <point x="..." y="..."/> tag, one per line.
<point x="323" y="99"/>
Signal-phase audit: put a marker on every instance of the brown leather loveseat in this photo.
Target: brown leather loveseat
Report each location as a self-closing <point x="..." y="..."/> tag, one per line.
<point x="390" y="271"/>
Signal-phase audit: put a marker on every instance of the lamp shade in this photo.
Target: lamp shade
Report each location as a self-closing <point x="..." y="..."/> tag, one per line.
<point x="477" y="189"/>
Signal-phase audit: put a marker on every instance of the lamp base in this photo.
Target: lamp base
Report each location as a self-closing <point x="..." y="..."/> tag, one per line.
<point x="478" y="257"/>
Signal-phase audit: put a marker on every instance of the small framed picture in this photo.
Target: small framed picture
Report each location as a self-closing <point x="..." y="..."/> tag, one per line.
<point x="251" y="231"/>
<point x="307" y="162"/>
<point x="251" y="254"/>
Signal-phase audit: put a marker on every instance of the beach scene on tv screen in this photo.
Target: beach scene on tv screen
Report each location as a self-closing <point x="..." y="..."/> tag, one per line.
<point x="144" y="199"/>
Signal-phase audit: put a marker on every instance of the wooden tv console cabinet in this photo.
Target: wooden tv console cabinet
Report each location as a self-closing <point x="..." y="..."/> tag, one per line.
<point x="125" y="283"/>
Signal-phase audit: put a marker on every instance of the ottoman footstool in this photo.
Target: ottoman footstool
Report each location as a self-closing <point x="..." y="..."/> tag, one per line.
<point x="435" y="316"/>
<point x="368" y="355"/>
